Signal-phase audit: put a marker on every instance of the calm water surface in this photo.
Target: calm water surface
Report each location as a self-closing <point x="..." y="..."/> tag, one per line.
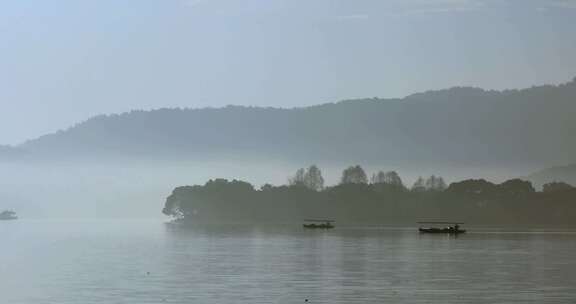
<point x="149" y="262"/>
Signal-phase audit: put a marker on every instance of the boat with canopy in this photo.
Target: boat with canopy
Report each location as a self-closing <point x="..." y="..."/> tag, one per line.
<point x="451" y="228"/>
<point x="7" y="215"/>
<point x="318" y="224"/>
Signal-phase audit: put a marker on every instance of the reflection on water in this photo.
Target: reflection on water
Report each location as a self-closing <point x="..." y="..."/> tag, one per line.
<point x="149" y="262"/>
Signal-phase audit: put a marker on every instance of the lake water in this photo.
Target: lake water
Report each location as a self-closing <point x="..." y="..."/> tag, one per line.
<point x="150" y="262"/>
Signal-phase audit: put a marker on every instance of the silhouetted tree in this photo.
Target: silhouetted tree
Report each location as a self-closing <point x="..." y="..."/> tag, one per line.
<point x="378" y="178"/>
<point x="392" y="178"/>
<point x="267" y="187"/>
<point x="354" y="175"/>
<point x="313" y="178"/>
<point x="557" y="187"/>
<point x="233" y="186"/>
<point x="310" y="178"/>
<point x="419" y="185"/>
<point x="515" y="187"/>
<point x="299" y="179"/>
<point x="473" y="186"/>
<point x="435" y="183"/>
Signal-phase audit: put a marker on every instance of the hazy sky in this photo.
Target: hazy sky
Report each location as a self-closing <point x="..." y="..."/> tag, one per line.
<point x="64" y="61"/>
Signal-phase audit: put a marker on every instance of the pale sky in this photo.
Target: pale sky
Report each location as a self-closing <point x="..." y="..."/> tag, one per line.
<point x="62" y="62"/>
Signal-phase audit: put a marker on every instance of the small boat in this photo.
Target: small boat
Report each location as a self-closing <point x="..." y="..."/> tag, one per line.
<point x="453" y="228"/>
<point x="7" y="215"/>
<point x="319" y="224"/>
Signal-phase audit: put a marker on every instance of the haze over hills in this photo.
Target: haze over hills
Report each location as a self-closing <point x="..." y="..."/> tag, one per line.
<point x="457" y="126"/>
<point x="101" y="166"/>
<point x="555" y="174"/>
<point x="8" y="152"/>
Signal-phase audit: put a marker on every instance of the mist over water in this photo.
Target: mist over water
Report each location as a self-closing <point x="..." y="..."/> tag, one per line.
<point x="109" y="189"/>
<point x="137" y="189"/>
<point x="126" y="164"/>
<point x="136" y="261"/>
<point x="217" y="152"/>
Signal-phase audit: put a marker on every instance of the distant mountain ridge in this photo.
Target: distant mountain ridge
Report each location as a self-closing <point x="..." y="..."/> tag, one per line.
<point x="461" y="125"/>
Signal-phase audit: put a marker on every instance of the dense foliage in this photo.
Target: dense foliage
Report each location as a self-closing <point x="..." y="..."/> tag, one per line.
<point x="473" y="201"/>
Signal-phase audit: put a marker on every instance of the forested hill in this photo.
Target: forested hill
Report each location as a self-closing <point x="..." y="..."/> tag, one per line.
<point x="459" y="126"/>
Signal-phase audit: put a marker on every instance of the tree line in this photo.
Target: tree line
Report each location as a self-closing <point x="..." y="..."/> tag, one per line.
<point x="311" y="178"/>
<point x="381" y="199"/>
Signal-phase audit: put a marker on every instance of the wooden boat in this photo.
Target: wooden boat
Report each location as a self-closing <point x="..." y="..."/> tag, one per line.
<point x="453" y="228"/>
<point x="441" y="230"/>
<point x="8" y="215"/>
<point x="319" y="224"/>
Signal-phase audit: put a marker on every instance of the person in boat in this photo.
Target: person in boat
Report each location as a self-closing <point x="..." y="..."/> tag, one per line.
<point x="457" y="227"/>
